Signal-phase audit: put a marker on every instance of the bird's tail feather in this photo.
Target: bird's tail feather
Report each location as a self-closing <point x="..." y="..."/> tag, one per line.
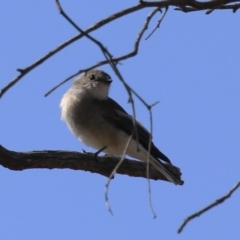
<point x="169" y="171"/>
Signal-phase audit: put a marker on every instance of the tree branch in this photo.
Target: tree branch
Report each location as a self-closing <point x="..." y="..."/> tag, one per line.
<point x="183" y="5"/>
<point x="191" y="3"/>
<point x="115" y="60"/>
<point x="214" y="204"/>
<point x="19" y="161"/>
<point x="97" y="25"/>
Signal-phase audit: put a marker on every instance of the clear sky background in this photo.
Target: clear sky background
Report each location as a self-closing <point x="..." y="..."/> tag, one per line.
<point x="190" y="65"/>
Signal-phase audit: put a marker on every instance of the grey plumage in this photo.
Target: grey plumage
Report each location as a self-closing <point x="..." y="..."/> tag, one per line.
<point x="98" y="121"/>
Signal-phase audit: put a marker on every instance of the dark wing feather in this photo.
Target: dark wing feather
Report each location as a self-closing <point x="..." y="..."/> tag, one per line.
<point x="118" y="117"/>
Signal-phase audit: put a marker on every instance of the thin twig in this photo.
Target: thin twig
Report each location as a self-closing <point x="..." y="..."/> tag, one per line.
<point x="113" y="172"/>
<point x="105" y="52"/>
<point x="158" y="25"/>
<point x="98" y="43"/>
<point x="214" y="204"/>
<point x="149" y="149"/>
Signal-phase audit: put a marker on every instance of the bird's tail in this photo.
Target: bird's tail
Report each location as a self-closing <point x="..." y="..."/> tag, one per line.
<point x="169" y="171"/>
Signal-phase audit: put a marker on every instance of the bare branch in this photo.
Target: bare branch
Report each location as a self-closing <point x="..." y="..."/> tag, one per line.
<point x="214" y="204"/>
<point x="99" y="44"/>
<point x="114" y="60"/>
<point x="19" y="161"/>
<point x="158" y="25"/>
<point x="99" y="24"/>
<point x="233" y="7"/>
<point x="183" y="5"/>
<point x="191" y="3"/>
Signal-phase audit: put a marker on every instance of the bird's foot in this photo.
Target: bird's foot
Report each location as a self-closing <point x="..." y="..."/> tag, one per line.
<point x="96" y="153"/>
<point x="99" y="151"/>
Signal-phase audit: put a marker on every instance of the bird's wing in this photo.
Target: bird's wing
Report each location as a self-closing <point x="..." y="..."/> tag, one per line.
<point x="118" y="117"/>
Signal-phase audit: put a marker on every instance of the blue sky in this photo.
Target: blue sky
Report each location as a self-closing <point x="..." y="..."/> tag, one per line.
<point x="190" y="65"/>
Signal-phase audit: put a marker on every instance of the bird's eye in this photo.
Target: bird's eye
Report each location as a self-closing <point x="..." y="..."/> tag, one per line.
<point x="92" y="77"/>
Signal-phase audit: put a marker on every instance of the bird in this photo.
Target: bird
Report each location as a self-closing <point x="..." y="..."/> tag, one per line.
<point x="101" y="123"/>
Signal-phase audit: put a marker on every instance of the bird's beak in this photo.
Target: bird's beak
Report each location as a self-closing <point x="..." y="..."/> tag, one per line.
<point x="105" y="80"/>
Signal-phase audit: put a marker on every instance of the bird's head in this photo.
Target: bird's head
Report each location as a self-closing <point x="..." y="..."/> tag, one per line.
<point x="95" y="82"/>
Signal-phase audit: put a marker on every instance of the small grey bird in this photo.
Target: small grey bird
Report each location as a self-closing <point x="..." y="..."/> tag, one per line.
<point x="99" y="121"/>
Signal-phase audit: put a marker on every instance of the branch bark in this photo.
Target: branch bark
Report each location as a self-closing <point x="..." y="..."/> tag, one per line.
<point x="47" y="159"/>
